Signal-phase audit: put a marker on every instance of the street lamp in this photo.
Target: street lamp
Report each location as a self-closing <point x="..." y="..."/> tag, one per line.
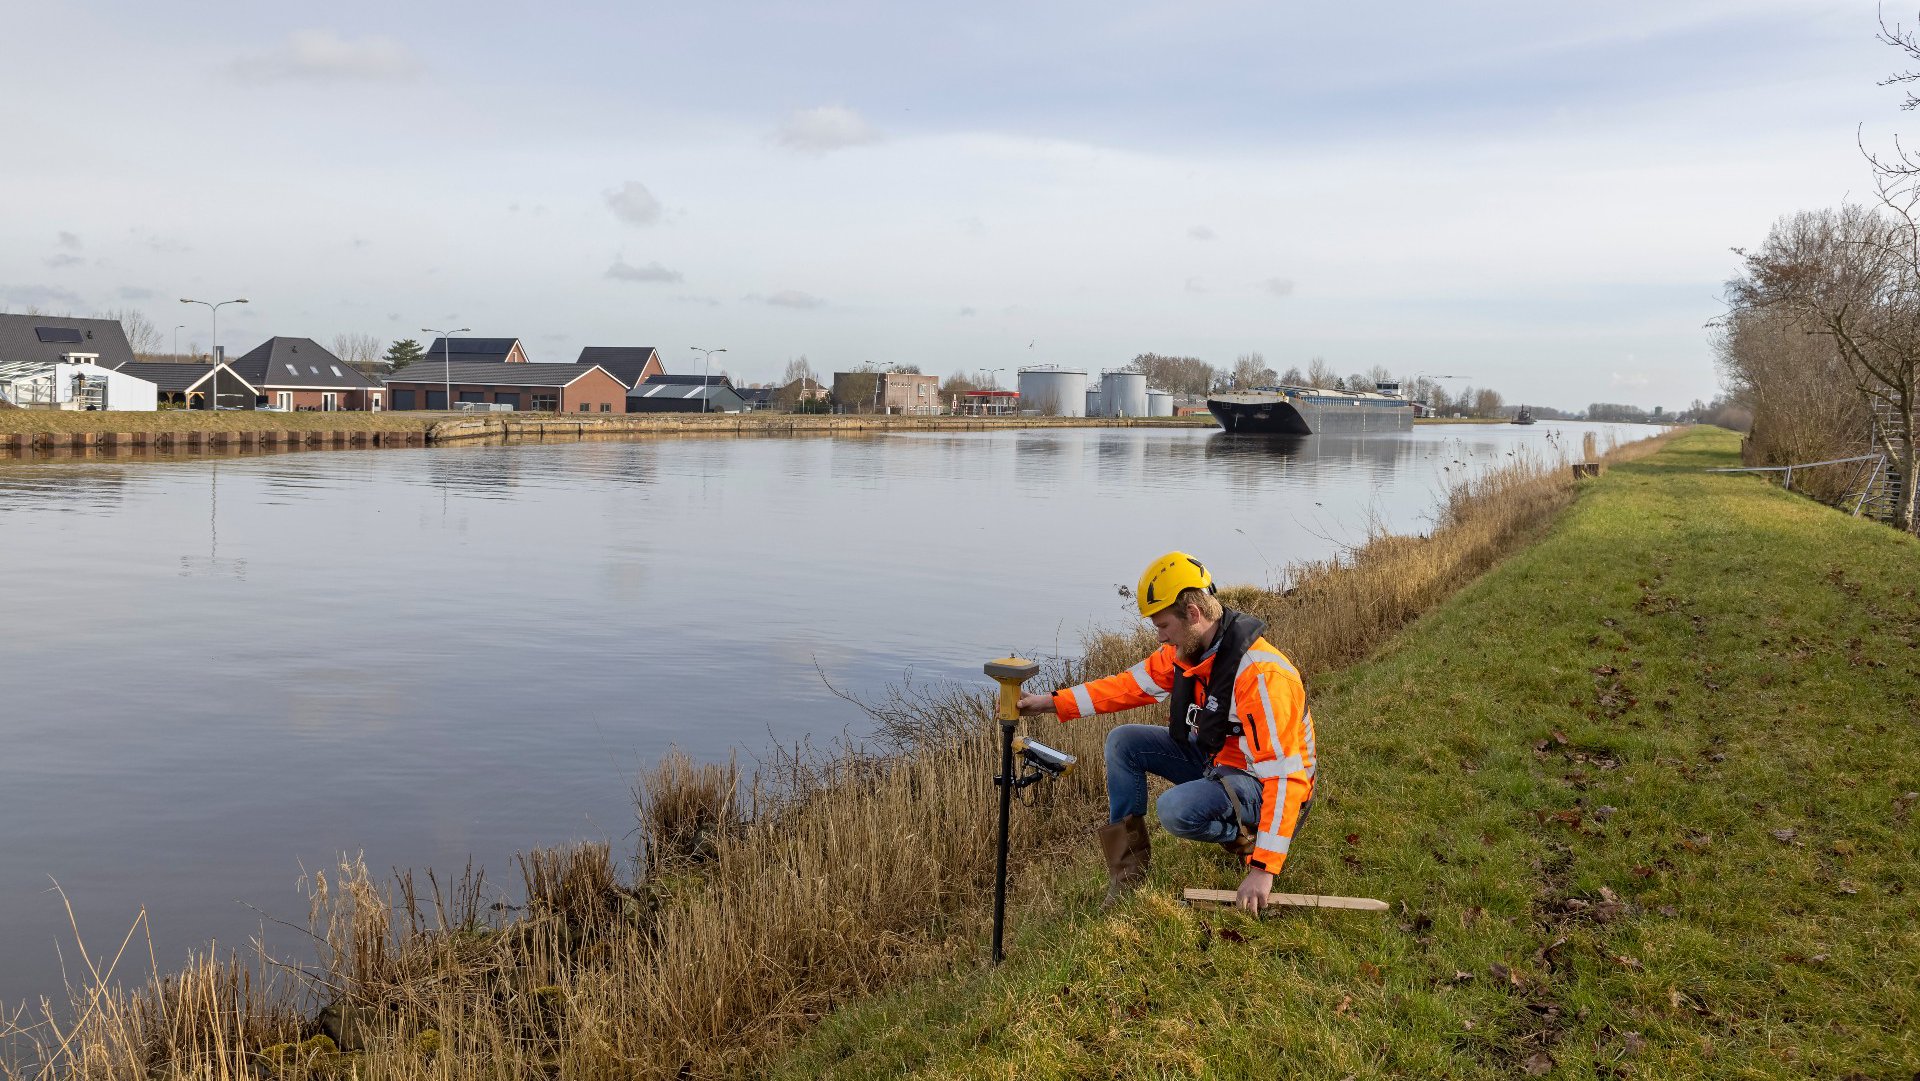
<point x="446" y="358"/>
<point x="176" y="340"/>
<point x="213" y="350"/>
<point x="707" y="372"/>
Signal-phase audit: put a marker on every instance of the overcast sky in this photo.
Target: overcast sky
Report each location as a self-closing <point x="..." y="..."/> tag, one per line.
<point x="1538" y="196"/>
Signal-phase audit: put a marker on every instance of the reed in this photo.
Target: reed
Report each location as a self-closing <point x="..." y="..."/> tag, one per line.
<point x="759" y="903"/>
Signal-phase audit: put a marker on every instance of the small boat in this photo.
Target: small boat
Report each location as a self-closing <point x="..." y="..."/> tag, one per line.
<point x="1523" y="417"/>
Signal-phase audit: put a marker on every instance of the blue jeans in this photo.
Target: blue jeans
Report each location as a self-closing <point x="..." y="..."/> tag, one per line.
<point x="1196" y="807"/>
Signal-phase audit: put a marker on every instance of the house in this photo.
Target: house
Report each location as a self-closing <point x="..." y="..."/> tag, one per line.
<point x="631" y="364"/>
<point x="53" y="339"/>
<point x="483" y="350"/>
<point x="796" y="397"/>
<point x="889" y="392"/>
<point x="686" y="394"/>
<point x="759" y="399"/>
<point x="74" y="385"/>
<point x="546" y="388"/>
<point x="187" y="385"/>
<point x="299" y="374"/>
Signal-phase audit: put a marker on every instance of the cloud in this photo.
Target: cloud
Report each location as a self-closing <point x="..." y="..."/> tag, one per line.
<point x="321" y="56"/>
<point x="968" y="313"/>
<point x="1629" y="380"/>
<point x="64" y="260"/>
<point x="789" y="298"/>
<point x="623" y="271"/>
<point x="633" y="203"/>
<point x="1279" y="287"/>
<point x="69" y="241"/>
<point x="1201" y="232"/>
<point x="40" y="296"/>
<point x="824" y="129"/>
<point x="134" y="292"/>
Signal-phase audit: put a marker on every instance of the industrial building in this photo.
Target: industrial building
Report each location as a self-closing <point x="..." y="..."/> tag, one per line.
<point x="686" y="394"/>
<point x="506" y="387"/>
<point x="1053" y="391"/>
<point x="908" y="393"/>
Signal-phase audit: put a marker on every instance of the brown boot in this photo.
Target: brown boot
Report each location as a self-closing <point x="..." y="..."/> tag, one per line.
<point x="1128" y="852"/>
<point x="1240" y="847"/>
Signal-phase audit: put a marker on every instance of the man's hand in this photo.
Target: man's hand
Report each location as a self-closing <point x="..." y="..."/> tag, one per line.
<point x="1031" y="704"/>
<point x="1254" y="889"/>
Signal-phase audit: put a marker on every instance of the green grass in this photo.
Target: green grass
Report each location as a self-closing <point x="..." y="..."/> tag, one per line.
<point x="1574" y="781"/>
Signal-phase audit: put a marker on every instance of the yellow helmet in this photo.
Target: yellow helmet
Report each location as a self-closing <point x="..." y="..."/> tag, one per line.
<point x="1166" y="577"/>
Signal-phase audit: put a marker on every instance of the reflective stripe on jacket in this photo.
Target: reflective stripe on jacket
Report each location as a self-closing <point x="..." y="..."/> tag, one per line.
<point x="1274" y="744"/>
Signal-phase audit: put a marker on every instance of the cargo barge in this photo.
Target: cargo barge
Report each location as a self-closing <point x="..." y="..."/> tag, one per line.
<point x="1288" y="410"/>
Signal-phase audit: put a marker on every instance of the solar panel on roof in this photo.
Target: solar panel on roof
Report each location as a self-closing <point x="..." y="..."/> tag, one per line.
<point x="57" y="334"/>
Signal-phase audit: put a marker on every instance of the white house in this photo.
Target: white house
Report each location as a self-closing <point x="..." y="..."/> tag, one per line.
<point x="75" y="382"/>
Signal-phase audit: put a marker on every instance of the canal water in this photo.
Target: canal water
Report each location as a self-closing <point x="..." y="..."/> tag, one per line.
<point x="216" y="674"/>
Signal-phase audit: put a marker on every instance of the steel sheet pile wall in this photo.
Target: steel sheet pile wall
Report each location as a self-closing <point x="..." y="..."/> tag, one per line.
<point x="1058" y="392"/>
<point x="1123" y="394"/>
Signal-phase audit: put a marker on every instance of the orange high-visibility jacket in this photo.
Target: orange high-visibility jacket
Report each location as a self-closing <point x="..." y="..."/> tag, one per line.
<point x="1274" y="744"/>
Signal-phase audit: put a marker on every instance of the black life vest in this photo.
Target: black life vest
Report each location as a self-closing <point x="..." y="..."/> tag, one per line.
<point x="1211" y="718"/>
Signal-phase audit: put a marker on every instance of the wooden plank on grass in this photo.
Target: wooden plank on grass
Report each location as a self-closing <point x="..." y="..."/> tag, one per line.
<point x="1303" y="900"/>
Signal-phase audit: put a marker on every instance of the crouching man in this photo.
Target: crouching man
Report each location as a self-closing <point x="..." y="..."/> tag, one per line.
<point x="1237" y="746"/>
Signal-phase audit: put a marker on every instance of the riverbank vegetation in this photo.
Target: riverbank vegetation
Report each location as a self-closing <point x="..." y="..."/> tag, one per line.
<point x="1643" y="799"/>
<point x="754" y="913"/>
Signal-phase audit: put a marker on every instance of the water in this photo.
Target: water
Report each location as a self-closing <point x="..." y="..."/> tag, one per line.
<point x="216" y="674"/>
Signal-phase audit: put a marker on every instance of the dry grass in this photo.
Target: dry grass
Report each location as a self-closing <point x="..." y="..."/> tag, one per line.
<point x="830" y="876"/>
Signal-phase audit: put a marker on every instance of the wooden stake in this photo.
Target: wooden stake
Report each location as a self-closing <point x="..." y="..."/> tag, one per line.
<point x="1304" y="900"/>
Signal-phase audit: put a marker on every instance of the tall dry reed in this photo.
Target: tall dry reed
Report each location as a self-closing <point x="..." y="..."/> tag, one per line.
<point x="760" y="904"/>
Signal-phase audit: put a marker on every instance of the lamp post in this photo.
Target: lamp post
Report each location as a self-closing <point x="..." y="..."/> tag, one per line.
<point x="176" y="339"/>
<point x="446" y="358"/>
<point x="213" y="350"/>
<point x="706" y="372"/>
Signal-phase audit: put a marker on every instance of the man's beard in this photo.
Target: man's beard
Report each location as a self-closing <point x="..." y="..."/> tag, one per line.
<point x="1190" y="649"/>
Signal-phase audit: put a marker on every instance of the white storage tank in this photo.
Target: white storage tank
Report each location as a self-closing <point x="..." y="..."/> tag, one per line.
<point x="1094" y="408"/>
<point x="1123" y="394"/>
<point x="1159" y="403"/>
<point x="1053" y="391"/>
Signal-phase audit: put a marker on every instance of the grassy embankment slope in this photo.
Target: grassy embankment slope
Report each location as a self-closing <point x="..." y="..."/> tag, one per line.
<point x="1644" y="792"/>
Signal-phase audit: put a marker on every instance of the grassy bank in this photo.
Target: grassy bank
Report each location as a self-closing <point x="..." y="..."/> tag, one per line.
<point x="835" y="878"/>
<point x="1642" y="798"/>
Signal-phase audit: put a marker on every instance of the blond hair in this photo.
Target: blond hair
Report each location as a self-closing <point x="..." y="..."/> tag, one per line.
<point x="1208" y="604"/>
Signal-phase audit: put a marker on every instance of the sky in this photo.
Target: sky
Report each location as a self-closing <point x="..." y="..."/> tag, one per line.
<point x="1537" y="198"/>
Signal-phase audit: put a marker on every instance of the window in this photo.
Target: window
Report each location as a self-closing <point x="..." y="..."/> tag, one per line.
<point x="291" y="370"/>
<point x="315" y="367"/>
<point x="336" y="371"/>
<point x="606" y="407"/>
<point x="923" y="390"/>
<point x="546" y="402"/>
<point x="283" y="401"/>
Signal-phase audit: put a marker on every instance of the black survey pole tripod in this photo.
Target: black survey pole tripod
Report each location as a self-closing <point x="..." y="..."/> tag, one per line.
<point x="1009" y="672"/>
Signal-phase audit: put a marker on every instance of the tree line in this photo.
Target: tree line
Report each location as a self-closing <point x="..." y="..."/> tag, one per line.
<point x="1821" y="339"/>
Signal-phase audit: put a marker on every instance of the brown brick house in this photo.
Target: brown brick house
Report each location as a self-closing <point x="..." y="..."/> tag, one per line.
<point x="537" y="388"/>
<point x="292" y="374"/>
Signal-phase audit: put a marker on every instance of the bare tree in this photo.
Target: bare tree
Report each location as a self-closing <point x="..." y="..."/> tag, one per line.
<point x="1293" y="377"/>
<point x="1852" y="276"/>
<point x="1178" y="375"/>
<point x="1487" y="402"/>
<point x="1320" y="373"/>
<point x="1800" y="397"/>
<point x="1250" y="370"/>
<point x="142" y="336"/>
<point x="362" y="351"/>
<point x="799" y="369"/>
<point x="1379" y="374"/>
